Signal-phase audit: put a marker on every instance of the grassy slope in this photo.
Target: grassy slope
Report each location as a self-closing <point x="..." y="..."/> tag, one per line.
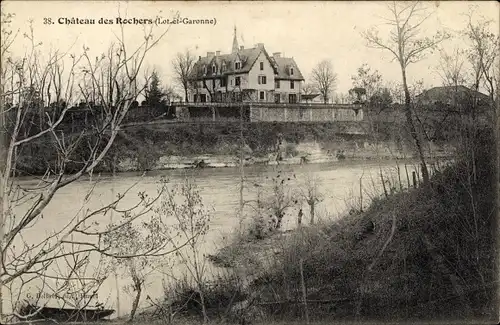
<point x="438" y="263"/>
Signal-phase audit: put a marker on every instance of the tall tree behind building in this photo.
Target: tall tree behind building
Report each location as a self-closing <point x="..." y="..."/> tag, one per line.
<point x="154" y="94"/>
<point x="324" y="79"/>
<point x="183" y="65"/>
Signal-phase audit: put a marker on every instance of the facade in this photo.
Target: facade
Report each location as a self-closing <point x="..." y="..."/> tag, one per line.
<point x="245" y="75"/>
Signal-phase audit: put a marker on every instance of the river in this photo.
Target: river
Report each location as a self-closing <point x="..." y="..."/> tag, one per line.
<point x="338" y="183"/>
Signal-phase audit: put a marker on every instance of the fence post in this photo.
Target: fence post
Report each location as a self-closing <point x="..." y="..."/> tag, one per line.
<point x="285" y="120"/>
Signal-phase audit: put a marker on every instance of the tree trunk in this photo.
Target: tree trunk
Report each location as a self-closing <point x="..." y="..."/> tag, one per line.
<point x="135" y="304"/>
<point x="413" y="130"/>
<point x="311" y="211"/>
<point x="203" y="307"/>
<point x="186" y="98"/>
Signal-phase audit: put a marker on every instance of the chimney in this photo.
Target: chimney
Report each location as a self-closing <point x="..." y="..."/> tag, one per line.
<point x="199" y="58"/>
<point x="277" y="55"/>
<point x="242" y="47"/>
<point x="209" y="54"/>
<point x="217" y="53"/>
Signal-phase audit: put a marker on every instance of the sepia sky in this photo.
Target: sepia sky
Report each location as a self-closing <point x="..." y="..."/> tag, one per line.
<point x="308" y="31"/>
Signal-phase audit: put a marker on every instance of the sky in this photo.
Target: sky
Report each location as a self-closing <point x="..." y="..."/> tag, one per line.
<point x="307" y="31"/>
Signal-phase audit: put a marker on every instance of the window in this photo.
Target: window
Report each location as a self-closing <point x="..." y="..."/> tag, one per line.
<point x="203" y="98"/>
<point x="262" y="80"/>
<point x="237" y="65"/>
<point x="223" y="82"/>
<point x="262" y="95"/>
<point x="261" y="66"/>
<point x="214" y="69"/>
<point x="237" y="81"/>
<point x="277" y="98"/>
<point x="292" y="84"/>
<point x="277" y="84"/>
<point x="291" y="71"/>
<point x="205" y="69"/>
<point x="223" y="67"/>
<point x="292" y="98"/>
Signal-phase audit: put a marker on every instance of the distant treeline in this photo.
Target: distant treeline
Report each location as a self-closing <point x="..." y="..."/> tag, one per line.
<point x="79" y="117"/>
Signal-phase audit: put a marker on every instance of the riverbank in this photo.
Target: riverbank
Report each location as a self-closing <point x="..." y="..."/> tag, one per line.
<point x="215" y="146"/>
<point x="176" y="146"/>
<point x="430" y="254"/>
<point x="288" y="154"/>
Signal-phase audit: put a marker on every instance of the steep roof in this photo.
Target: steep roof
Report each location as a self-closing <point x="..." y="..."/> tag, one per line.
<point x="235" y="42"/>
<point x="247" y="57"/>
<point x="284" y="66"/>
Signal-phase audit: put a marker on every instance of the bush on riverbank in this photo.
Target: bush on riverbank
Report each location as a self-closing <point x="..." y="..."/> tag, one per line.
<point x="430" y="255"/>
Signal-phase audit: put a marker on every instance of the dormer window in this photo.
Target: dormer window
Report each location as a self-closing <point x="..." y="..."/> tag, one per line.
<point x="223" y="66"/>
<point x="291" y="71"/>
<point x="237" y="65"/>
<point x="214" y="69"/>
<point x="204" y="69"/>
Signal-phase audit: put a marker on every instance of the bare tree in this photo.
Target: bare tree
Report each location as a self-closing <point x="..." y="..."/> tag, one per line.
<point x="183" y="65"/>
<point x="324" y="79"/>
<point x="280" y="198"/>
<point x="367" y="79"/>
<point x="311" y="195"/>
<point x="483" y="56"/>
<point x="451" y="67"/>
<point x="309" y="89"/>
<point x="408" y="46"/>
<point x="342" y="98"/>
<point x="46" y="89"/>
<point x="192" y="221"/>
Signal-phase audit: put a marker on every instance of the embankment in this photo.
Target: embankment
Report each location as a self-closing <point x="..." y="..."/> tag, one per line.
<point x="188" y="145"/>
<point x="430" y="254"/>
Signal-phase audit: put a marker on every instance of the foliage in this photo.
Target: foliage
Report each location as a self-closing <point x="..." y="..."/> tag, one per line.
<point x="154" y="94"/>
<point x="184" y="204"/>
<point x="382" y="99"/>
<point x="180" y="220"/>
<point x="221" y="294"/>
<point x="370" y="81"/>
